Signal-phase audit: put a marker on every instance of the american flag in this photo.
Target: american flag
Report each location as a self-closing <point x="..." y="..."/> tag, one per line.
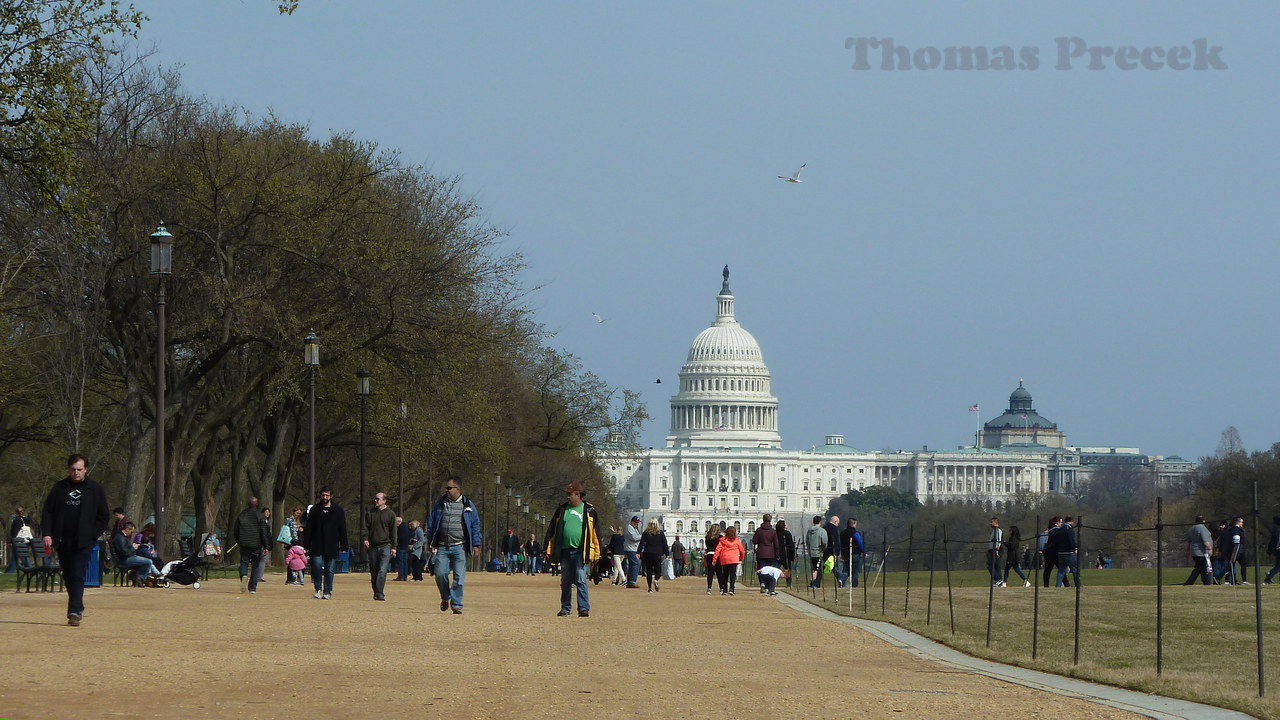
<point x="973" y="408"/>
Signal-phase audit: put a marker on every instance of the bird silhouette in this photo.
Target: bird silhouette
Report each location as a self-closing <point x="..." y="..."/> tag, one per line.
<point x="658" y="381"/>
<point x="598" y="318"/>
<point x="795" y="176"/>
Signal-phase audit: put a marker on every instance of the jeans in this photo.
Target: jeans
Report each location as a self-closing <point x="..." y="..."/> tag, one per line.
<point x="768" y="582"/>
<point x="144" y="566"/>
<point x="513" y="563"/>
<point x="322" y="571"/>
<point x="678" y="562"/>
<point x="250" y="563"/>
<point x="573" y="573"/>
<point x="995" y="566"/>
<point x="533" y="562"/>
<point x="855" y="570"/>
<point x="74" y="562"/>
<point x="379" y="558"/>
<point x="1273" y="571"/>
<point x="451" y="559"/>
<point x="632" y="564"/>
<point x="402" y="562"/>
<point x="1068" y="562"/>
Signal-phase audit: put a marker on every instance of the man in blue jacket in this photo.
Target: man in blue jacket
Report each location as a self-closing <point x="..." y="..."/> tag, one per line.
<point x="452" y="527"/>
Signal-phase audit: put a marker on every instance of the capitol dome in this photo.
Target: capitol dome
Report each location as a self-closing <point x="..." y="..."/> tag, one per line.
<point x="725" y="396"/>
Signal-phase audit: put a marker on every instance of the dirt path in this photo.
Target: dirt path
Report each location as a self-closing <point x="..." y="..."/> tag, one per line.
<point x="214" y="653"/>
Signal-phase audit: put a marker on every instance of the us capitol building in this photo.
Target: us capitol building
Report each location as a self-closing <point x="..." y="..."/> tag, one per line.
<point x="724" y="460"/>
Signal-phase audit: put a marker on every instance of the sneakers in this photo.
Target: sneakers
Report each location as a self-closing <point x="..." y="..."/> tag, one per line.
<point x="253" y="592"/>
<point x="583" y="613"/>
<point x="708" y="591"/>
<point x="317" y="595"/>
<point x="379" y="597"/>
<point x="771" y="593"/>
<point x="1026" y="584"/>
<point x="563" y="613"/>
<point x="457" y="611"/>
<point x="326" y="596"/>
<point x="998" y="583"/>
<point x="655" y="586"/>
<point x="633" y="585"/>
<point x="73" y="619"/>
<point x="244" y="583"/>
<point x="731" y="593"/>
<point x="650" y="589"/>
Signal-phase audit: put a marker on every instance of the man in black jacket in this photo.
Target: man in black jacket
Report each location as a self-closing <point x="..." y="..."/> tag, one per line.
<point x="75" y="515"/>
<point x="326" y="538"/>
<point x="253" y="534"/>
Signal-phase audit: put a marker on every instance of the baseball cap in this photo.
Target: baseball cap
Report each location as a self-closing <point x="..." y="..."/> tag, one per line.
<point x="635" y="518"/>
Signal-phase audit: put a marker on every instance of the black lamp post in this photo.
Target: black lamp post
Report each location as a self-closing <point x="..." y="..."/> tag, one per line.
<point x="508" y="507"/>
<point x="362" y="388"/>
<point x="311" y="356"/>
<point x="162" y="266"/>
<point x="497" y="490"/>
<point x="404" y="413"/>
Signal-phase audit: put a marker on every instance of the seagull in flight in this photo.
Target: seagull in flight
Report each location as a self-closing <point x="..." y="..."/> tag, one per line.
<point x="598" y="318"/>
<point x="795" y="176"/>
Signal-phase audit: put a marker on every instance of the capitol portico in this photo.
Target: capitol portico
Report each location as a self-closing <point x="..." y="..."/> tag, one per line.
<point x="724" y="460"/>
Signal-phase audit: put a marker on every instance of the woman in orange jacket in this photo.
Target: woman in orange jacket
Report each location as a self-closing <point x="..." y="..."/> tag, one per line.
<point x="728" y="556"/>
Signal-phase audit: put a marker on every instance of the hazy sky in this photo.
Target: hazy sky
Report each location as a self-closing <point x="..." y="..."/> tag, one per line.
<point x="1106" y="234"/>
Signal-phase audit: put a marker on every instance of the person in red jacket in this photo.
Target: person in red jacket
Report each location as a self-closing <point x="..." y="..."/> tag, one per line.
<point x="728" y="556"/>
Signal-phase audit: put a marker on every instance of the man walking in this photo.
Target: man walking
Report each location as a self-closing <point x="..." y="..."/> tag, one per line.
<point x="404" y="549"/>
<point x="765" y="540"/>
<point x="532" y="555"/>
<point x="995" y="546"/>
<point x="511" y="551"/>
<point x="832" y="548"/>
<point x="452" y="527"/>
<point x="815" y="543"/>
<point x="1273" y="549"/>
<point x="1200" y="545"/>
<point x="572" y="539"/>
<point x="380" y="533"/>
<point x="326" y="538"/>
<point x="1068" y="553"/>
<point x="852" y="547"/>
<point x="631" y="548"/>
<point x="252" y="534"/>
<point x="75" y="515"/>
<point x="1233" y="551"/>
<point x="677" y="557"/>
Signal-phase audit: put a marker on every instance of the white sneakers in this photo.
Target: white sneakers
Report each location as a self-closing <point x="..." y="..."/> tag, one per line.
<point x="317" y="595"/>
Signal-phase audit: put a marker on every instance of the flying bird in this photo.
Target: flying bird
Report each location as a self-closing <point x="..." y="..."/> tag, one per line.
<point x="597" y="317"/>
<point x="658" y="381"/>
<point x="795" y="176"/>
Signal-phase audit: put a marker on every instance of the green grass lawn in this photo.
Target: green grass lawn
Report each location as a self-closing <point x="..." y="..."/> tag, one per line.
<point x="1210" y="651"/>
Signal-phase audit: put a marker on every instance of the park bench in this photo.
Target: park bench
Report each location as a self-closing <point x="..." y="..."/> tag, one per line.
<point x="44" y="572"/>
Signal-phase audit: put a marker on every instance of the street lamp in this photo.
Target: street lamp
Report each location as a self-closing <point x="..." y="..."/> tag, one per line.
<point x="311" y="357"/>
<point x="404" y="413"/>
<point x="362" y="388"/>
<point x="508" y="506"/>
<point x="162" y="266"/>
<point x="497" y="490"/>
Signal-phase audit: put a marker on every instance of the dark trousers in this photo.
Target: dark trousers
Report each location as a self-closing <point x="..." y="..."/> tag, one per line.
<point x="415" y="563"/>
<point x="1202" y="570"/>
<point x="74" y="562"/>
<point x="728" y="577"/>
<point x="1051" y="568"/>
<point x="379" y="558"/>
<point x="652" y="568"/>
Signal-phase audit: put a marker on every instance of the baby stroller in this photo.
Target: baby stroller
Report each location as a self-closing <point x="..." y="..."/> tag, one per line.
<point x="181" y="571"/>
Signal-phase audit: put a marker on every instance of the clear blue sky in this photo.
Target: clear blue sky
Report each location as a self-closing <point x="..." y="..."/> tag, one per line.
<point x="1107" y="235"/>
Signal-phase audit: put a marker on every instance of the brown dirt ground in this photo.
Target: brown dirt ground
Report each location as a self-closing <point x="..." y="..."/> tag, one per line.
<point x="215" y="653"/>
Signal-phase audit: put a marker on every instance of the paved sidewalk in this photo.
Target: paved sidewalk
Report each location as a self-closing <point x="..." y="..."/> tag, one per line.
<point x="1154" y="706"/>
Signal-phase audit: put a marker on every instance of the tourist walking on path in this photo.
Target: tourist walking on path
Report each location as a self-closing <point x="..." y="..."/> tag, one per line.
<point x="252" y="533"/>
<point x="1013" y="556"/>
<point x="1273" y="549"/>
<point x="1200" y="547"/>
<point x="786" y="549"/>
<point x="852" y="549"/>
<point x="532" y="555"/>
<point x="815" y="544"/>
<point x="711" y="539"/>
<point x="379" y="535"/>
<point x="765" y="541"/>
<point x="572" y="539"/>
<point x="75" y="515"/>
<point x="1050" y="548"/>
<point x="296" y="561"/>
<point x="404" y="549"/>
<point x="677" y="556"/>
<point x="1233" y="550"/>
<point x="1068" y="553"/>
<point x="631" y="546"/>
<point x="995" y="549"/>
<point x="325" y="538"/>
<point x="452" y="527"/>
<point x="729" y="555"/>
<point x="652" y="549"/>
<point x="417" y="549"/>
<point x="510" y="551"/>
<point x="617" y="555"/>
<point x="832" y="547"/>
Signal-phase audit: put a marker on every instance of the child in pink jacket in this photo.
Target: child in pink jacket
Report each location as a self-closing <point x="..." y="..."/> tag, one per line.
<point x="296" y="560"/>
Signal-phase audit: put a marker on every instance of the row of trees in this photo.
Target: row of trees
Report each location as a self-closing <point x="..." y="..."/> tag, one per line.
<point x="277" y="233"/>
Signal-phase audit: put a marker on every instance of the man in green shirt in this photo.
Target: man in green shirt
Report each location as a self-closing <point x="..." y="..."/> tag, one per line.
<point x="572" y="541"/>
